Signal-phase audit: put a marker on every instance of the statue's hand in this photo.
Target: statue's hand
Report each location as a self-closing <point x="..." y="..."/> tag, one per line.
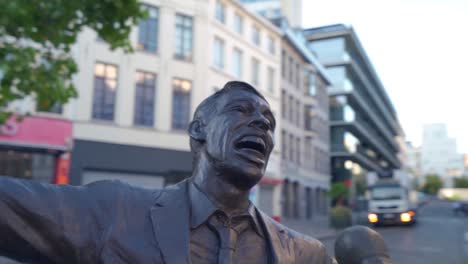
<point x="361" y="245"/>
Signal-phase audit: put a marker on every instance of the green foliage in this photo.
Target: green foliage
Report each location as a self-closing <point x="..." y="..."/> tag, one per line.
<point x="36" y="38"/>
<point x="461" y="182"/>
<point x="338" y="191"/>
<point x="433" y="184"/>
<point x="340" y="217"/>
<point x="455" y="197"/>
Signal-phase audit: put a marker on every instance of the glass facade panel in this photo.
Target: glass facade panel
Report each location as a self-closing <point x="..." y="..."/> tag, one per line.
<point x="340" y="110"/>
<point x="350" y="142"/>
<point x="329" y="50"/>
<point x="338" y="77"/>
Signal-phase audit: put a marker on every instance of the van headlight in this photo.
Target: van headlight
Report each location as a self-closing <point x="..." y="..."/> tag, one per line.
<point x="373" y="218"/>
<point x="405" y="217"/>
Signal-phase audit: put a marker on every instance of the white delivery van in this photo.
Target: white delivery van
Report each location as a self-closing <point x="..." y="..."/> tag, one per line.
<point x="390" y="202"/>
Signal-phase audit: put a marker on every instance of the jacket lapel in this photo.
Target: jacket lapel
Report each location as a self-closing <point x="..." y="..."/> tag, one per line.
<point x="170" y="217"/>
<point x="279" y="241"/>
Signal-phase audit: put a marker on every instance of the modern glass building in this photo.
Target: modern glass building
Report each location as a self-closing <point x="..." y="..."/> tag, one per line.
<point x="363" y="121"/>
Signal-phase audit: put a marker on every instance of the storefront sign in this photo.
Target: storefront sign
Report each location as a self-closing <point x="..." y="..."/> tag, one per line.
<point x="37" y="132"/>
<point x="10" y="128"/>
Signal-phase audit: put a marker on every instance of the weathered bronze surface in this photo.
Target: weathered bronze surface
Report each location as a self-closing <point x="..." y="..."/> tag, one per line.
<point x="361" y="245"/>
<point x="231" y="137"/>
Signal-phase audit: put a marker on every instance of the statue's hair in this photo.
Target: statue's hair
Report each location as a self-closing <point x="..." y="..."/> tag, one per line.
<point x="208" y="108"/>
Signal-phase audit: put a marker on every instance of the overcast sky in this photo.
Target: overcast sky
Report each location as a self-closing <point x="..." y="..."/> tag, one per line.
<point x="419" y="48"/>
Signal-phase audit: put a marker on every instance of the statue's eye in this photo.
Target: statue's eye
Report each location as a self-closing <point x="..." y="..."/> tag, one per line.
<point x="239" y="108"/>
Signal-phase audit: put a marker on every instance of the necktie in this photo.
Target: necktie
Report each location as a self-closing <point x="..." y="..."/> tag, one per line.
<point x="228" y="231"/>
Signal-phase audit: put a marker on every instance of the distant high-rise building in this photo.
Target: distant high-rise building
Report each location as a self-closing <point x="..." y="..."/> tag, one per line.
<point x="413" y="154"/>
<point x="363" y="122"/>
<point x="291" y="9"/>
<point x="439" y="154"/>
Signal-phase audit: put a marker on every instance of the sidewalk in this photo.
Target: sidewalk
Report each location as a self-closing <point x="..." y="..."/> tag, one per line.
<point x="317" y="227"/>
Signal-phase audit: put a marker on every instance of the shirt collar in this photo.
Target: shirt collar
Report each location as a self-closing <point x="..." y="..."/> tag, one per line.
<point x="202" y="208"/>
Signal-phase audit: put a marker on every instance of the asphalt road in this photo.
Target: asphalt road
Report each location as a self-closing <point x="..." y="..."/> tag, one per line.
<point x="437" y="238"/>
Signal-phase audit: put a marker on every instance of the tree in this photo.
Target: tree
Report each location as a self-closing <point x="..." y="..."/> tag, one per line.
<point x="461" y="182"/>
<point x="339" y="193"/>
<point x="36" y="38"/>
<point x="433" y="184"/>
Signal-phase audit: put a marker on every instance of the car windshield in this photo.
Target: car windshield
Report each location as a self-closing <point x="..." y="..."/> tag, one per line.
<point x="387" y="193"/>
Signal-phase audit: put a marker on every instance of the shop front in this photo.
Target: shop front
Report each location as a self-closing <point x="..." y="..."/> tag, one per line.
<point x="36" y="148"/>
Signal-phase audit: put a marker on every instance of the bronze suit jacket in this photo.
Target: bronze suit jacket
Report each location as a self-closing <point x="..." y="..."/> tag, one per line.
<point x="112" y="222"/>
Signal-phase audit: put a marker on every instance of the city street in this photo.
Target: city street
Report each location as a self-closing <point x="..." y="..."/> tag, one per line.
<point x="437" y="238"/>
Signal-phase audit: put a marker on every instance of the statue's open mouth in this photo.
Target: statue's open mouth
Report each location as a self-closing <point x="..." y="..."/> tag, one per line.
<point x="253" y="143"/>
<point x="253" y="148"/>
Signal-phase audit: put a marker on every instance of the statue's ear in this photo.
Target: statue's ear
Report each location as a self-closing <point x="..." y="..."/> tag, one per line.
<point x="197" y="130"/>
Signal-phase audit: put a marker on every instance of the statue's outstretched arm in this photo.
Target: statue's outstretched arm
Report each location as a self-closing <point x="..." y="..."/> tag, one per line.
<point x="44" y="223"/>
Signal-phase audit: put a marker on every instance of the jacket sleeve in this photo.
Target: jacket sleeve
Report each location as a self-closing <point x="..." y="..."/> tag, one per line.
<point x="44" y="223"/>
<point x="310" y="250"/>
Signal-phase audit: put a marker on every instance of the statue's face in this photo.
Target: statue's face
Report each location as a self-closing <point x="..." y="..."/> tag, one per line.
<point x="239" y="138"/>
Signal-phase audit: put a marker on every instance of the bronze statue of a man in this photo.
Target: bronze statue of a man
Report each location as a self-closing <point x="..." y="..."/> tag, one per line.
<point x="205" y="219"/>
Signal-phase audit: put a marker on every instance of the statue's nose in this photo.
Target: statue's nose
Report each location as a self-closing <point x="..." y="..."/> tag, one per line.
<point x="261" y="122"/>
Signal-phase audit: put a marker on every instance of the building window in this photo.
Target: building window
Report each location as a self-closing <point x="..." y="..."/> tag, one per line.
<point x="255" y="71"/>
<point x="283" y="104"/>
<point x="105" y="86"/>
<point x="181" y="91"/>
<point x="271" y="80"/>
<point x="144" y="99"/>
<point x="291" y="69"/>
<point x="238" y="23"/>
<point x="308" y="117"/>
<point x="298" y="151"/>
<point x="308" y="151"/>
<point x="298" y="113"/>
<point x="291" y="108"/>
<point x="184" y="38"/>
<point x="237" y="63"/>
<point x="291" y="148"/>
<point x="218" y="53"/>
<point x="271" y="45"/>
<point x="283" y="64"/>
<point x="311" y="88"/>
<point x="148" y="31"/>
<point x="298" y="75"/>
<point x="220" y="12"/>
<point x="256" y="35"/>
<point x="284" y="146"/>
